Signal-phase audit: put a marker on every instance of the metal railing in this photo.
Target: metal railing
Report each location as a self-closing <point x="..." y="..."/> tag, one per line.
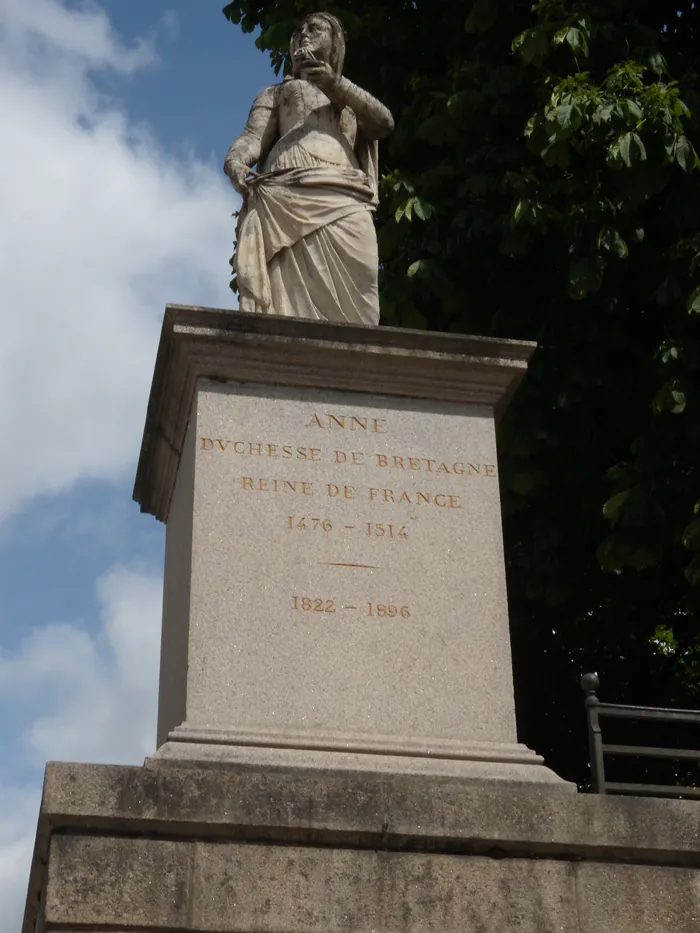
<point x="598" y="749"/>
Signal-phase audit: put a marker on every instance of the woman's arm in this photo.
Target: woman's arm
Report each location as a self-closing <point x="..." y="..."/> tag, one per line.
<point x="373" y="119"/>
<point x="257" y="138"/>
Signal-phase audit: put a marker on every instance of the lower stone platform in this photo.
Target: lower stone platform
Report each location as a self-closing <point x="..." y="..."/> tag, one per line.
<point x="244" y="849"/>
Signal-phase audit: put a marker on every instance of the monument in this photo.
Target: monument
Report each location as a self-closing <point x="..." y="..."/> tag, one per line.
<point x="336" y="733"/>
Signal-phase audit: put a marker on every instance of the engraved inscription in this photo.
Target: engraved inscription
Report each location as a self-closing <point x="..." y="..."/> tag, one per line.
<point x="384" y="611"/>
<point x="306" y="604"/>
<point x="405" y="483"/>
<point x="291" y="487"/>
<point x="329" y="422"/>
<point x="309" y="524"/>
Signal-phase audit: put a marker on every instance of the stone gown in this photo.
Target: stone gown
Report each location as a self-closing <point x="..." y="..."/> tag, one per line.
<point x="306" y="245"/>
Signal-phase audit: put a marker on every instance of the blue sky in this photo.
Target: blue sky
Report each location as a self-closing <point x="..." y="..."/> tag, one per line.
<point x="116" y="117"/>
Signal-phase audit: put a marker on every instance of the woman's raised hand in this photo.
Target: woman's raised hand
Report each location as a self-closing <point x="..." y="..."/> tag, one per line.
<point x="319" y="73"/>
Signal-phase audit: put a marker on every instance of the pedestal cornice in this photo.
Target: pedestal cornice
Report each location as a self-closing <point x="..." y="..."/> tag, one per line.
<point x="248" y="348"/>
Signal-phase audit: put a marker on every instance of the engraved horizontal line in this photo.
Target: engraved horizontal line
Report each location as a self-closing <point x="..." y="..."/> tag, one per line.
<point x="349" y="607"/>
<point x="330" y="563"/>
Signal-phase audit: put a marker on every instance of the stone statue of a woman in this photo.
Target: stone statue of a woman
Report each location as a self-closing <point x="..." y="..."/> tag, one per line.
<point x="306" y="240"/>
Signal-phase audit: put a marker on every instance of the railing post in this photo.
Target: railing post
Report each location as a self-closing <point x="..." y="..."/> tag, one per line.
<point x="590" y="683"/>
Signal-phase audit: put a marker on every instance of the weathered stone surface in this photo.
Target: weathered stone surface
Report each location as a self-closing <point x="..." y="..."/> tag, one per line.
<point x="306" y="243"/>
<point x="260" y="349"/>
<point x="372" y="810"/>
<point x="638" y="899"/>
<point x="175" y="633"/>
<point x="104" y="881"/>
<point x="334" y="580"/>
<point x="348" y="580"/>
<point x="253" y="845"/>
<point x="262" y="889"/>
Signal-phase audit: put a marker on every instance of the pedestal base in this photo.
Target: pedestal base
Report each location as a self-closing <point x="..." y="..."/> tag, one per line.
<point x="472" y="762"/>
<point x="245" y="849"/>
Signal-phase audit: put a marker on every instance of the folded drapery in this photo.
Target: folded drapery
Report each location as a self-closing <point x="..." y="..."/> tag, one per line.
<point x="307" y="245"/>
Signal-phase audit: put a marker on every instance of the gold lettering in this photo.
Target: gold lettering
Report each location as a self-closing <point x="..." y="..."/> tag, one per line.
<point x="265" y="484"/>
<point x="404" y="497"/>
<point x="207" y="443"/>
<point x="458" y="468"/>
<point x="382" y="461"/>
<point x="238" y="444"/>
<point x="222" y="444"/>
<point x="472" y="469"/>
<point x="348" y="423"/>
<point x="272" y="450"/>
<point x="489" y="469"/>
<point x="413" y="463"/>
<point x="442" y="468"/>
<point x="398" y="463"/>
<point x="356" y="458"/>
<point x="345" y="492"/>
<point x="255" y="450"/>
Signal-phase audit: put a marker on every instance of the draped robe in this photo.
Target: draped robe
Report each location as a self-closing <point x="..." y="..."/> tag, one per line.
<point x="306" y="243"/>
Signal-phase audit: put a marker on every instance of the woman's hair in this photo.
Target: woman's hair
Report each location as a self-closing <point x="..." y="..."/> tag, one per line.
<point x="337" y="39"/>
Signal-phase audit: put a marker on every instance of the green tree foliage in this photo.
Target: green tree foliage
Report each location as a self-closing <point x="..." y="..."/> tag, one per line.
<point x="543" y="183"/>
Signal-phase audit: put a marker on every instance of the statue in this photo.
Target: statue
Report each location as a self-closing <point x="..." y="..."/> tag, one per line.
<point x="306" y="244"/>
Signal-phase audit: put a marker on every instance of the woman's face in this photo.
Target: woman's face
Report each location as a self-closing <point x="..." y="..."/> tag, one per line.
<point x="315" y="36"/>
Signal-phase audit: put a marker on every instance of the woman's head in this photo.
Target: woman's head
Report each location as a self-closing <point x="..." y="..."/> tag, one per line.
<point x="323" y="35"/>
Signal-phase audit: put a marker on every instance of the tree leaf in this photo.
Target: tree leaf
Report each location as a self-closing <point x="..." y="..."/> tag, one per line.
<point x="692" y="571"/>
<point x="611" y="509"/>
<point x="632" y="149"/>
<point x="677" y="402"/>
<point x="685" y="154"/>
<point x="414" y="268"/>
<point x="610" y="241"/>
<point x="658" y="63"/>
<point x="694" y="302"/>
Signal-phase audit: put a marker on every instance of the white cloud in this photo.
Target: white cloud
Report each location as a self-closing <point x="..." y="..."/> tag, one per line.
<point x="101" y="692"/>
<point x="92" y="698"/>
<point x="53" y="29"/>
<point x="18" y="814"/>
<point x="100" y="227"/>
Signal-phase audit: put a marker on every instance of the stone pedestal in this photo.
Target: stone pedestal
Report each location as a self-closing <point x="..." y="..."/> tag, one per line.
<point x="334" y="577"/>
<point x="179" y="846"/>
<point x="337" y="746"/>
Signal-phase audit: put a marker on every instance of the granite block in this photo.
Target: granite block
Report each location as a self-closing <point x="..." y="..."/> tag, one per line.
<point x="264" y="889"/>
<point x="635" y="898"/>
<point x="102" y="881"/>
<point x="348" y="586"/>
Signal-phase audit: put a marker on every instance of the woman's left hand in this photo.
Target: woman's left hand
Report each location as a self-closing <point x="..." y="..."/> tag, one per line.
<point x="319" y="73"/>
